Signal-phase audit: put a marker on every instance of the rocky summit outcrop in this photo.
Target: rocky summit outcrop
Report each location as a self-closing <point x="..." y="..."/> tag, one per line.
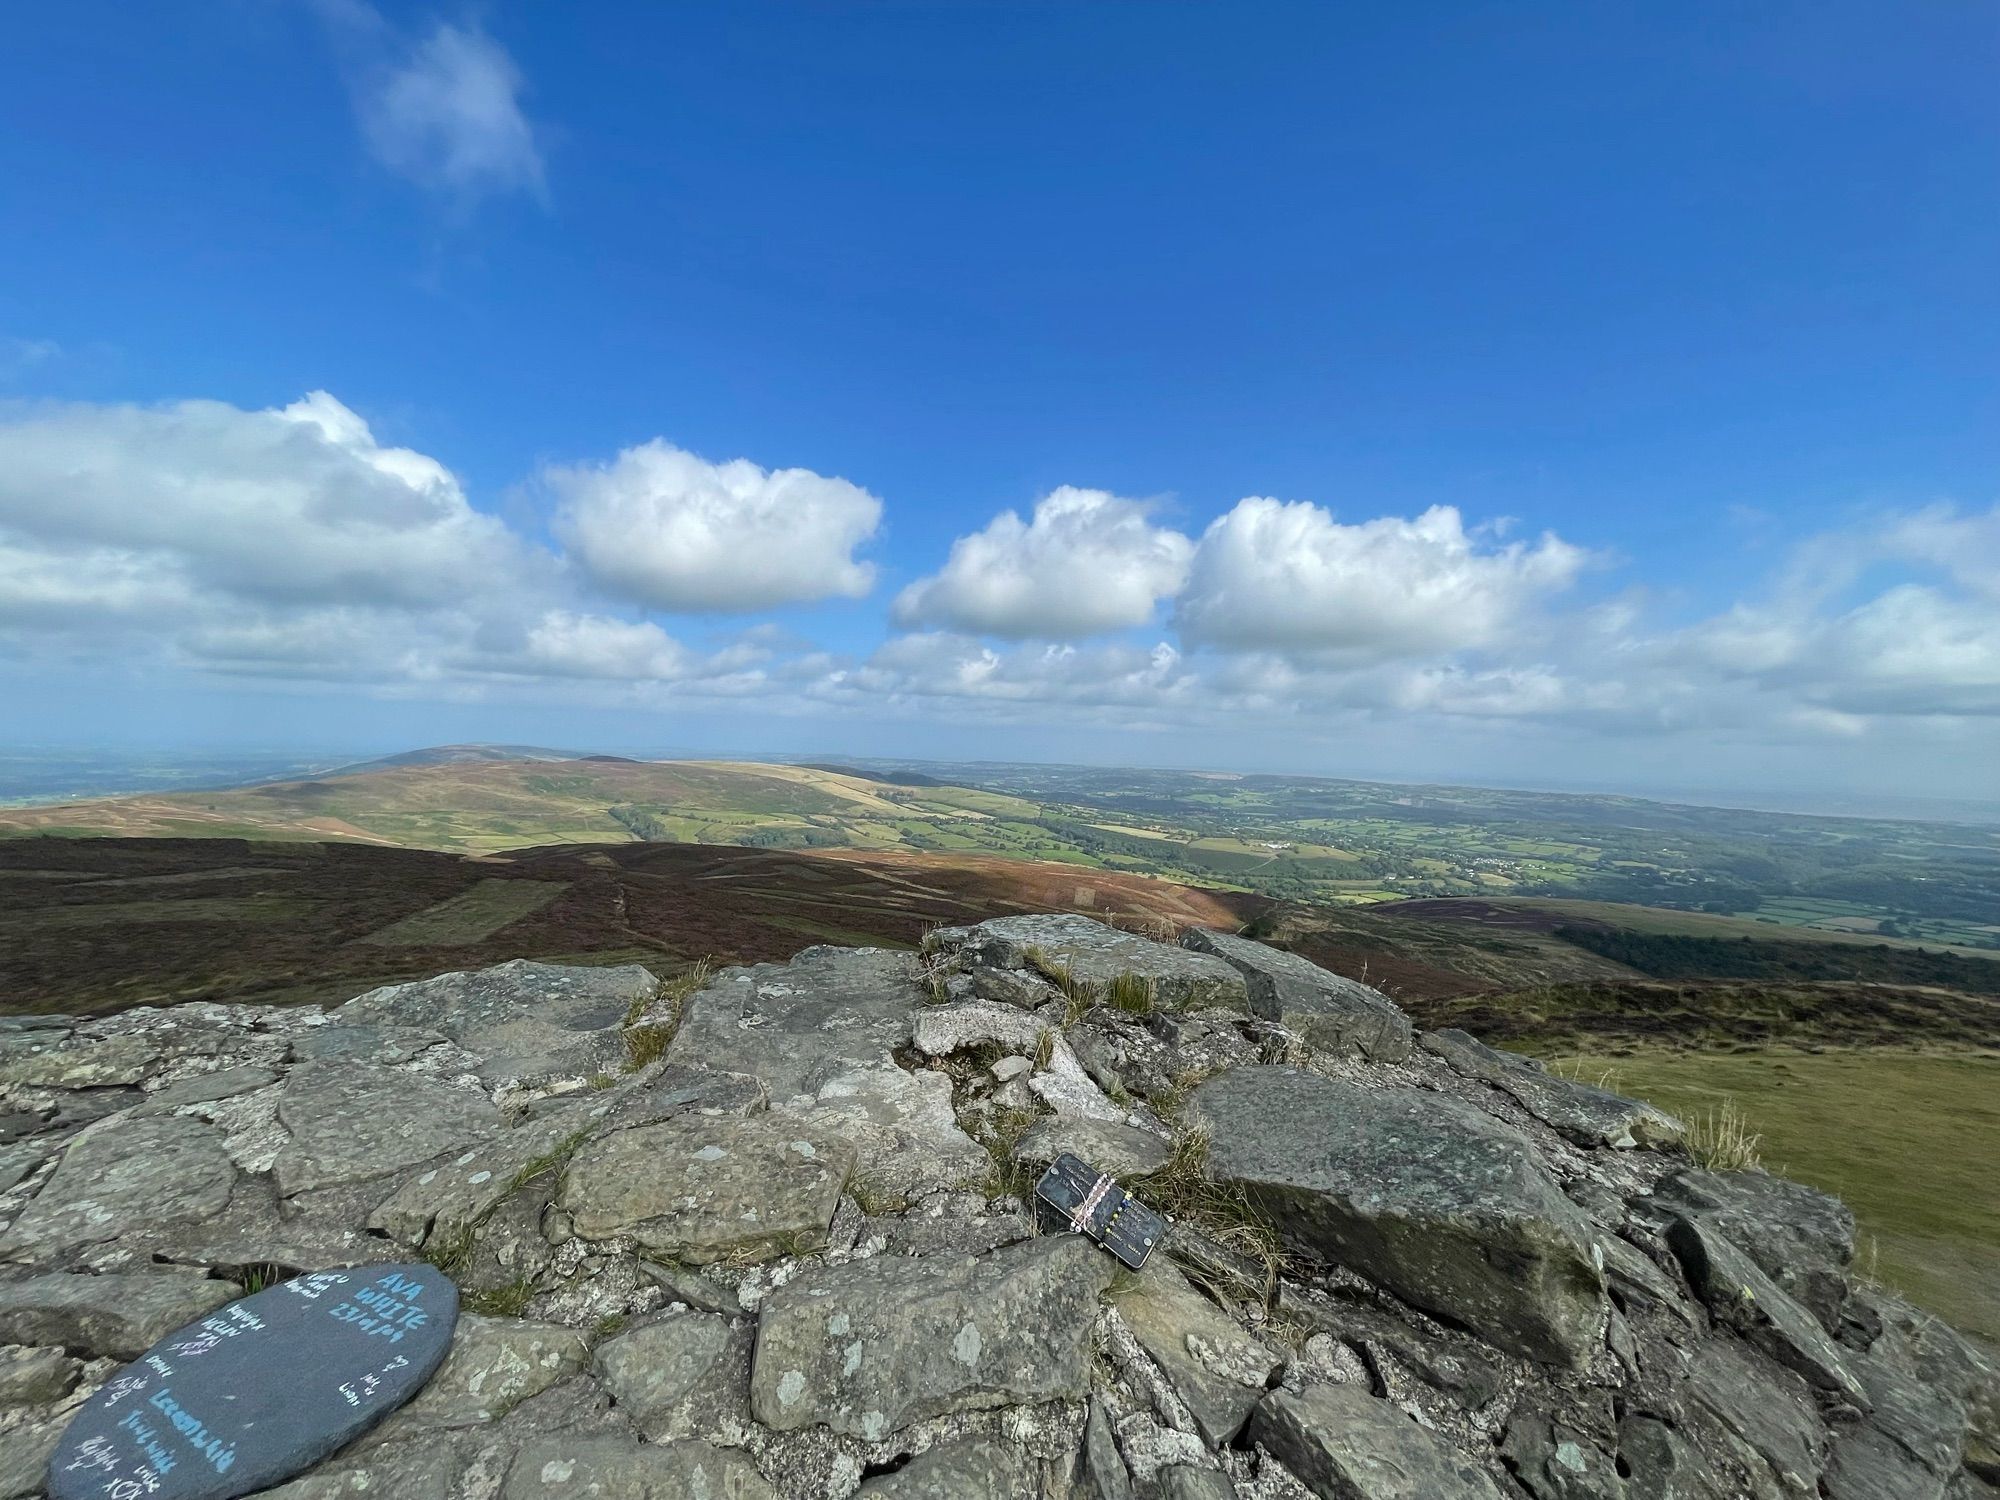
<point x="765" y="1233"/>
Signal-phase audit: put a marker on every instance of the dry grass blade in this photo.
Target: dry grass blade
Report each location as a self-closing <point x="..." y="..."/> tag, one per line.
<point x="1008" y="1177"/>
<point x="652" y="1021"/>
<point x="1186" y="1192"/>
<point x="1721" y="1140"/>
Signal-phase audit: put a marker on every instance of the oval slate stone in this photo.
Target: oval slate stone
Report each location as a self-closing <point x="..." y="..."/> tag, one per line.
<point x="260" y="1389"/>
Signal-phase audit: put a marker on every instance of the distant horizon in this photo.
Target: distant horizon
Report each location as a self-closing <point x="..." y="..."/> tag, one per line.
<point x="1969" y="812"/>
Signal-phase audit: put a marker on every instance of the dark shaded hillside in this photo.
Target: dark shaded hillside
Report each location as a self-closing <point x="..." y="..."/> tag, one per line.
<point x="99" y="925"/>
<point x="1719" y="1015"/>
<point x="1677" y="956"/>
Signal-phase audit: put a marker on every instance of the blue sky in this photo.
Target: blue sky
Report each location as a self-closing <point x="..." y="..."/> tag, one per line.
<point x="1597" y="394"/>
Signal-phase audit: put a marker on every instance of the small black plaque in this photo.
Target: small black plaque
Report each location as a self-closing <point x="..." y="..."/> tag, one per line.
<point x="1091" y="1203"/>
<point x="260" y="1389"/>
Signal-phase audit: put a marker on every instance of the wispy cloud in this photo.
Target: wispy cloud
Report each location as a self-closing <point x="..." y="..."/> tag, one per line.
<point x="443" y="110"/>
<point x="18" y="356"/>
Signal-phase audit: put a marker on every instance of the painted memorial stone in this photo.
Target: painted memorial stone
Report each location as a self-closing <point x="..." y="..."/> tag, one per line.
<point x="260" y="1389"/>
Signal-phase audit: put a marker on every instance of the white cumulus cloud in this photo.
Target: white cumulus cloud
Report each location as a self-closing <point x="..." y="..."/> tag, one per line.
<point x="299" y="504"/>
<point x="1086" y="563"/>
<point x="1288" y="576"/>
<point x="664" y="528"/>
<point x="565" y="644"/>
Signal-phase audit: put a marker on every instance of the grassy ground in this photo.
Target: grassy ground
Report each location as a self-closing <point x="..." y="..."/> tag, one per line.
<point x="1908" y="1140"/>
<point x="471" y="917"/>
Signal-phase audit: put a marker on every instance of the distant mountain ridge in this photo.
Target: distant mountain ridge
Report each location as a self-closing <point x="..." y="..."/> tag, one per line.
<point x="457" y="755"/>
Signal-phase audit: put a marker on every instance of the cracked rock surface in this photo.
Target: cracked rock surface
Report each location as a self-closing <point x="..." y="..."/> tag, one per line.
<point x="793" y="1257"/>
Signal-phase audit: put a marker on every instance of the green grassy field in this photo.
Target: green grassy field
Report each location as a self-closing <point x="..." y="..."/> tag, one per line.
<point x="1908" y="1140"/>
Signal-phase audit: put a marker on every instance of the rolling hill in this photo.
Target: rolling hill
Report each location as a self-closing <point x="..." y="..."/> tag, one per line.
<point x="481" y="803"/>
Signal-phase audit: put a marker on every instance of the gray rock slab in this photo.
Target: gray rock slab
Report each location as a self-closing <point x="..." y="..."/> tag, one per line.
<point x="459" y="1193"/>
<point x="79" y="1107"/>
<point x="686" y="1375"/>
<point x="1331" y="1012"/>
<point x="1582" y="1113"/>
<point x="1346" y="1445"/>
<point x="974" y="1469"/>
<point x="960" y="1223"/>
<point x="1636" y="1282"/>
<point x="557" y="1468"/>
<point x="205" y="1088"/>
<point x="667" y="1090"/>
<point x="939" y="1030"/>
<point x="494" y="1365"/>
<point x="27" y="1439"/>
<point x="51" y="1060"/>
<point x="1185" y="1482"/>
<point x="1925" y="1416"/>
<point x="698" y="1190"/>
<point x="1095" y="955"/>
<point x="1422" y="1193"/>
<point x="1553" y="1460"/>
<point x="127" y="1174"/>
<point x="1738" y="1295"/>
<point x="1012" y="987"/>
<point x="1867" y="1464"/>
<point x="1664" y="1465"/>
<point x="35" y="1376"/>
<point x="1124" y="1151"/>
<point x="1764" y="1407"/>
<point x="869" y="1347"/>
<point x="425" y="1467"/>
<point x="574" y="1407"/>
<point x="1801" y="1238"/>
<point x="367" y="1041"/>
<point x="1471" y="1372"/>
<point x="1100" y="1468"/>
<point x="528" y="1022"/>
<point x="350" y="1122"/>
<point x="783" y="1022"/>
<point x="19" y="1160"/>
<point x="118" y="1315"/>
<point x="905" y="1135"/>
<point x="1214" y="1365"/>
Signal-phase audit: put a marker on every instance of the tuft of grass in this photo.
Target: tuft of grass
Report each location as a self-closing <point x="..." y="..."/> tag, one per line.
<point x="647" y="1040"/>
<point x="1045" y="1049"/>
<point x="1009" y="1178"/>
<point x="508" y="1301"/>
<point x="264" y="1274"/>
<point x="451" y="1252"/>
<point x="1169" y="1102"/>
<point x="1721" y="1140"/>
<point x="607" y="1325"/>
<point x="1186" y="1192"/>
<point x="1134" y="994"/>
<point x="1079" y="997"/>
<point x="932" y="970"/>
